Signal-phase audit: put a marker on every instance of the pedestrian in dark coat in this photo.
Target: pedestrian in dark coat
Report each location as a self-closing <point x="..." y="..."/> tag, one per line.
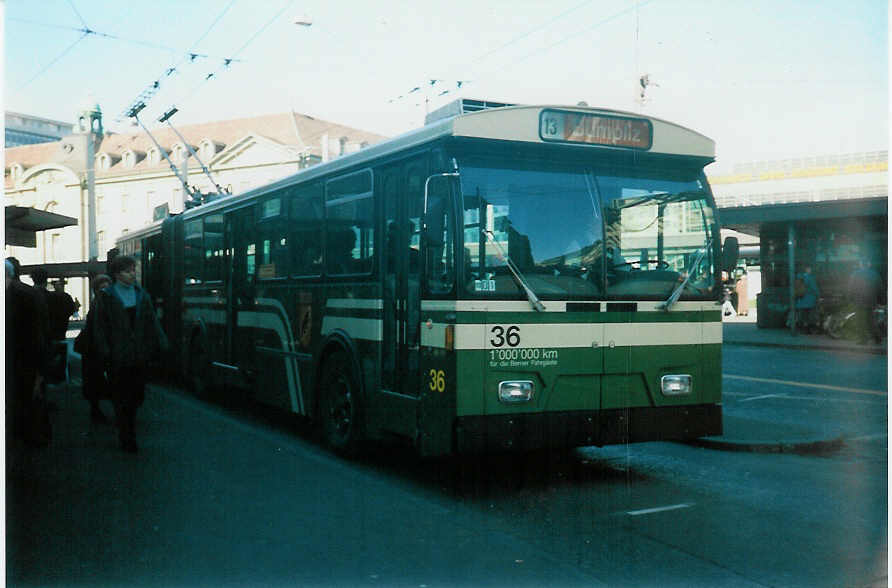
<point x="26" y="357"/>
<point x="128" y="334"/>
<point x="59" y="307"/>
<point x="95" y="385"/>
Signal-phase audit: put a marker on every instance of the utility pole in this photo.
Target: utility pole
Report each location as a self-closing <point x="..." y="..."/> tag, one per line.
<point x="93" y="242"/>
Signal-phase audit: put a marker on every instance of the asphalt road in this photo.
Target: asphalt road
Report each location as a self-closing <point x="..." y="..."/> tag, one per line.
<point x="219" y="497"/>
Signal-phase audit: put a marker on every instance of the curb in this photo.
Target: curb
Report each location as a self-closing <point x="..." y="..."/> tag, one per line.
<point x="851" y="349"/>
<point x="805" y="447"/>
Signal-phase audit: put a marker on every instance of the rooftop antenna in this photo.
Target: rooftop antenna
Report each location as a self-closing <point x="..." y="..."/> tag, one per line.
<point x="133" y="113"/>
<point x="166" y="118"/>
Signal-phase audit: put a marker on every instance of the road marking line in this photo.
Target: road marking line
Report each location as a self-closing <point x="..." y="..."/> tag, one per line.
<point x="807" y="398"/>
<point x="806" y="385"/>
<point x="635" y="513"/>
<point x="876" y="437"/>
<point x="763" y="396"/>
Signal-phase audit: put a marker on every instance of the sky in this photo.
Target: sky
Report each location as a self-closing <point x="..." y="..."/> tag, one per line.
<point x="765" y="79"/>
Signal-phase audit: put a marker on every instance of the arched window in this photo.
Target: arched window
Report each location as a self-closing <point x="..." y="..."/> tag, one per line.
<point x="129" y="159"/>
<point x="16" y="170"/>
<point x="180" y="153"/>
<point x="154" y="156"/>
<point x="207" y="150"/>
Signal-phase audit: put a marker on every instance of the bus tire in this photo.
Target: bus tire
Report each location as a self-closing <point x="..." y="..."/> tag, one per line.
<point x="340" y="405"/>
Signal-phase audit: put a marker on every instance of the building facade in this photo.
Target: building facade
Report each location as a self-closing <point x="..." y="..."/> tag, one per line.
<point x="24" y="129"/>
<point x="115" y="183"/>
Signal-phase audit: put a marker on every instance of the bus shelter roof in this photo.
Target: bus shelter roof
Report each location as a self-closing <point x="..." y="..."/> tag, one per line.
<point x="23" y="223"/>
<point x="750" y="219"/>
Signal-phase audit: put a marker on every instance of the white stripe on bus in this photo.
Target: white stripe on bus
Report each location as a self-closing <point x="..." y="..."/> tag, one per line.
<point x="557" y="305"/>
<point x="363" y="303"/>
<point x="553" y="335"/>
<point x="636" y="334"/>
<point x="358" y="328"/>
<point x="277" y="322"/>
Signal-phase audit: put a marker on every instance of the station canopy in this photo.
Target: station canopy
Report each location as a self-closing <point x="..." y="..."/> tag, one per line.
<point x="23" y="223"/>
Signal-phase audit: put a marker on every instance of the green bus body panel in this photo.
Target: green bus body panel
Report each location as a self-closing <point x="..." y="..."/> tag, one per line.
<point x="596" y="378"/>
<point x="578" y="383"/>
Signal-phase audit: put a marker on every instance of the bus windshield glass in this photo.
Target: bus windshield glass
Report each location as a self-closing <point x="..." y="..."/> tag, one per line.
<point x="577" y="231"/>
<point x="659" y="232"/>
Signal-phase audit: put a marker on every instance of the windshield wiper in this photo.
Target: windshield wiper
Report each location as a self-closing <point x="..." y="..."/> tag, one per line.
<point x="676" y="294"/>
<point x="662" y="198"/>
<point x="531" y="296"/>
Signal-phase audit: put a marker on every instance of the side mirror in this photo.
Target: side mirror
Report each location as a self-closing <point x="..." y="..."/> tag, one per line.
<point x="730" y="252"/>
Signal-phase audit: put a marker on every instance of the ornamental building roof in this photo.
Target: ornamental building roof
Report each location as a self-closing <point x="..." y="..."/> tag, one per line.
<point x="299" y="132"/>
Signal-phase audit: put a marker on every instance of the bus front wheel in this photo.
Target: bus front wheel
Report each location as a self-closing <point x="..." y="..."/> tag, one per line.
<point x="340" y="404"/>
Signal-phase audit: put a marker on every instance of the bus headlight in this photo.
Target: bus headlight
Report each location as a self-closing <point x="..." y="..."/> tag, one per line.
<point x="676" y="384"/>
<point x="516" y="391"/>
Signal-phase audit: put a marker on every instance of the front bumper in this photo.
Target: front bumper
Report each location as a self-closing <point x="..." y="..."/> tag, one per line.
<point x="553" y="430"/>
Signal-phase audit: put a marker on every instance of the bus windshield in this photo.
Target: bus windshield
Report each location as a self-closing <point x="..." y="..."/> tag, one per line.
<point x="577" y="231"/>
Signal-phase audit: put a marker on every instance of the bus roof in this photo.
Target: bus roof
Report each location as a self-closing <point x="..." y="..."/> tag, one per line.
<point x="522" y="123"/>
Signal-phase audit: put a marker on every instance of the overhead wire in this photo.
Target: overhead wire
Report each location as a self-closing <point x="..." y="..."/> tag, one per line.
<point x="88" y="31"/>
<point x="597" y="25"/>
<point x="531" y="31"/>
<point x="510" y="42"/>
<point x="227" y="62"/>
<point x="190" y="55"/>
<point x="74" y="8"/>
<point x="51" y="63"/>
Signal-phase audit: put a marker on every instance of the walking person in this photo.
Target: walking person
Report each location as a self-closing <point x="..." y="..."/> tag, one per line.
<point x="59" y="307"/>
<point x="807" y="296"/>
<point x="26" y="344"/>
<point x="127" y="334"/>
<point x="95" y="385"/>
<point x="65" y="307"/>
<point x="743" y="304"/>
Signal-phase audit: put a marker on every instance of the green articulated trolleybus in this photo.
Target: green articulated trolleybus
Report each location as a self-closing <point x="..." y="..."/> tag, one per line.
<point x="513" y="278"/>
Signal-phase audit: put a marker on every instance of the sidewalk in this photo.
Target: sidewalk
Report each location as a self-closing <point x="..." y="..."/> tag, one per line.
<point x="750" y="435"/>
<point x="742" y="330"/>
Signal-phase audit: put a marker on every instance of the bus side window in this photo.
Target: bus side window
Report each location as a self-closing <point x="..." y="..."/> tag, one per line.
<point x="272" y="238"/>
<point x="243" y="250"/>
<point x="350" y="222"/>
<point x="439" y="241"/>
<point x="194" y="252"/>
<point x="306" y="236"/>
<point x="213" y="248"/>
<point x="415" y="209"/>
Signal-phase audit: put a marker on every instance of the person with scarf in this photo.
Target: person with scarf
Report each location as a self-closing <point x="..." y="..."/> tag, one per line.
<point x="127" y="336"/>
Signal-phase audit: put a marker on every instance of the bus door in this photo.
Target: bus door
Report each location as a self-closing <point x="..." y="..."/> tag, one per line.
<point x="166" y="266"/>
<point x="403" y="198"/>
<point x="241" y="291"/>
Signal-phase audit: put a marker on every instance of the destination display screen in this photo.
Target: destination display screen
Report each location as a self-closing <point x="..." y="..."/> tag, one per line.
<point x="595" y="129"/>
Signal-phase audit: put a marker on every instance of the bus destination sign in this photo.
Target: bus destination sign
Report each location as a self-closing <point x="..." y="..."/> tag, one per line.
<point x="595" y="129"/>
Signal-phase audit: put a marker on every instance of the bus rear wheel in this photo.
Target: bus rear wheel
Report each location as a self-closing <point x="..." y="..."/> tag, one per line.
<point x="340" y="405"/>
